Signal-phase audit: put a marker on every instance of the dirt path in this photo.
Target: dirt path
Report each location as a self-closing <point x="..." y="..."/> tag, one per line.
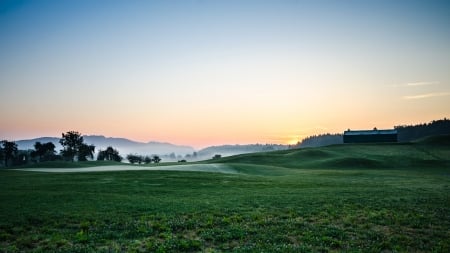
<point x="217" y="168"/>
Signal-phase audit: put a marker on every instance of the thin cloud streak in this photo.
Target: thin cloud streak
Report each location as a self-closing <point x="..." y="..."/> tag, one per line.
<point x="416" y="84"/>
<point x="427" y="95"/>
<point x="421" y="83"/>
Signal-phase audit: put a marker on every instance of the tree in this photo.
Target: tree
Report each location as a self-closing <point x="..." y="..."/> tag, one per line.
<point x="156" y="159"/>
<point x="1" y="153"/>
<point x="22" y="157"/>
<point x="44" y="152"/>
<point x="73" y="146"/>
<point x="147" y="160"/>
<point x="110" y="154"/>
<point x="9" y="151"/>
<point x="101" y="156"/>
<point x="134" y="159"/>
<point x="86" y="151"/>
<point x="71" y="142"/>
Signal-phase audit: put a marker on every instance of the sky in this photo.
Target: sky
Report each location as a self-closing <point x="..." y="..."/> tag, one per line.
<point x="205" y="72"/>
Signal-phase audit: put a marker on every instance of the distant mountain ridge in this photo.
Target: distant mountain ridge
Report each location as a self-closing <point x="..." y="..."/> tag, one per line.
<point x="123" y="145"/>
<point x="29" y="143"/>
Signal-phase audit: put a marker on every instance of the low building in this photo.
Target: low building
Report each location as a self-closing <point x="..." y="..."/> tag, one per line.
<point x="370" y="136"/>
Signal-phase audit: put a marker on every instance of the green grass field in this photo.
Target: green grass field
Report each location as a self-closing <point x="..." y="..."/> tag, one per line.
<point x="351" y="198"/>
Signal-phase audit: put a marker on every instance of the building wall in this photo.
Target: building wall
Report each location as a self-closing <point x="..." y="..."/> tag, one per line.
<point x="368" y="138"/>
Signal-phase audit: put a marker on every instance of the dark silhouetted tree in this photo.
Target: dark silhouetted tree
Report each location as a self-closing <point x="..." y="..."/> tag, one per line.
<point x="134" y="158"/>
<point x="86" y="151"/>
<point x="9" y="151"/>
<point x="22" y="157"/>
<point x="156" y="159"/>
<point x="71" y="142"/>
<point x="73" y="146"/>
<point x="110" y="154"/>
<point x="101" y="156"/>
<point x="44" y="152"/>
<point x="1" y="153"/>
<point x="147" y="160"/>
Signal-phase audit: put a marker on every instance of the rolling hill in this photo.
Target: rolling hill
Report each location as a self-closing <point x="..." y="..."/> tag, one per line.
<point x="428" y="152"/>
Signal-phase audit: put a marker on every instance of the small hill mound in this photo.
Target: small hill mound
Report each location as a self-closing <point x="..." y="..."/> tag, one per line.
<point x="353" y="162"/>
<point x="311" y="153"/>
<point x="438" y="140"/>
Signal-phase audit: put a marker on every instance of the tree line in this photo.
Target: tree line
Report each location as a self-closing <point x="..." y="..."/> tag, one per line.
<point x="320" y="140"/>
<point x="139" y="159"/>
<point x="74" y="149"/>
<point x="413" y="132"/>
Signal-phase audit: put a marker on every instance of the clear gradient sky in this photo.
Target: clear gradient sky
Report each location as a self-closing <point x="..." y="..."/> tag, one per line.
<point x="221" y="72"/>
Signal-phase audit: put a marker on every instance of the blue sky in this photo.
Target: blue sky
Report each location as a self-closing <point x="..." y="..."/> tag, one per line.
<point x="212" y="72"/>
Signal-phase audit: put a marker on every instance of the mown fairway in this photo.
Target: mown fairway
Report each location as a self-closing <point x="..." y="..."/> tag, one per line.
<point x="353" y="198"/>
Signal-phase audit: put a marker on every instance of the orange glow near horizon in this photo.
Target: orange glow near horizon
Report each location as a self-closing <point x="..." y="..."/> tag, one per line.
<point x="198" y="138"/>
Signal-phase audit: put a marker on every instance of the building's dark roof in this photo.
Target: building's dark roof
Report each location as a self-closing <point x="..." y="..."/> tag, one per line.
<point x="370" y="132"/>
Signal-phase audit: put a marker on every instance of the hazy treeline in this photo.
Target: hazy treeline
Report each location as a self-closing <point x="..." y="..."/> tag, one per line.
<point x="228" y="150"/>
<point x="139" y="159"/>
<point x="321" y="140"/>
<point x="73" y="149"/>
<point x="413" y="132"/>
<point x="123" y="145"/>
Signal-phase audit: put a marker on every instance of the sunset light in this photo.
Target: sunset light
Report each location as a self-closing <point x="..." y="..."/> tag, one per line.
<point x="205" y="73"/>
<point x="224" y="126"/>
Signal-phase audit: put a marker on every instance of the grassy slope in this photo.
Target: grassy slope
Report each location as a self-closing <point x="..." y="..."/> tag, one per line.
<point x="428" y="153"/>
<point x="312" y="200"/>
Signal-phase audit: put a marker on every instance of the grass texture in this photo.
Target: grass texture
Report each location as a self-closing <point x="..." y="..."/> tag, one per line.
<point x="351" y="198"/>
